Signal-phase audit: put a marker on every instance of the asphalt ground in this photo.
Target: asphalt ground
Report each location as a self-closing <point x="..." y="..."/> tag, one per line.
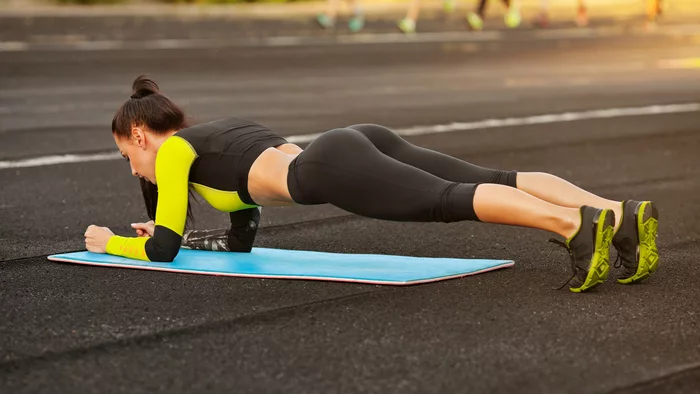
<point x="70" y="328"/>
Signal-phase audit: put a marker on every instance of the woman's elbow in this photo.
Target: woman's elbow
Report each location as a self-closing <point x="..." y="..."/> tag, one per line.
<point x="165" y="255"/>
<point x="164" y="246"/>
<point x="241" y="248"/>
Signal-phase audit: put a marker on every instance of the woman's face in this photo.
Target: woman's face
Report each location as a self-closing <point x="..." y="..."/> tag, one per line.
<point x="139" y="152"/>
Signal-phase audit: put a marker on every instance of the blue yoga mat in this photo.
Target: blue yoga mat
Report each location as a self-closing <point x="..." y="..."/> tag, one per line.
<point x="294" y="264"/>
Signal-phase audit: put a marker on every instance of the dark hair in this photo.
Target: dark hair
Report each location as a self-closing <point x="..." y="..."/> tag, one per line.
<point x="148" y="107"/>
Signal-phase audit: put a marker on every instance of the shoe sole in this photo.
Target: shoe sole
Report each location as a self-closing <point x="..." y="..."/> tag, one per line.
<point x="407" y="31"/>
<point x="356" y="24"/>
<point x="512" y="20"/>
<point x="604" y="223"/>
<point x="476" y="26"/>
<point x="647" y="217"/>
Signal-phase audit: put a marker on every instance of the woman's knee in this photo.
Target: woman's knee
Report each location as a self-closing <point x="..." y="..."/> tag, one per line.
<point x="503" y="177"/>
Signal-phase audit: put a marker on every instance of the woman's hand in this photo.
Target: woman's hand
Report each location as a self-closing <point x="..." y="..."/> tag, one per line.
<point x="96" y="238"/>
<point x="144" y="229"/>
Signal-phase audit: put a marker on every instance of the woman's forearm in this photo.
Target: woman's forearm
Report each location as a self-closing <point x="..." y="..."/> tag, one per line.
<point x="211" y="239"/>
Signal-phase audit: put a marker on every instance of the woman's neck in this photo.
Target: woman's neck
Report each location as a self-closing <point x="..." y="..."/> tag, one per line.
<point x="158" y="139"/>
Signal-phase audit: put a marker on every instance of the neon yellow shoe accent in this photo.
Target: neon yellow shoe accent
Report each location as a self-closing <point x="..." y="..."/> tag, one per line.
<point x="475" y="21"/>
<point x="647" y="228"/>
<point x="407" y="26"/>
<point x="600" y="261"/>
<point x="513" y="18"/>
<point x="449" y="6"/>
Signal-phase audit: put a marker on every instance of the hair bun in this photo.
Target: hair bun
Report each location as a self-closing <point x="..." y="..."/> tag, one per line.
<point x="143" y="87"/>
<point x="141" y="93"/>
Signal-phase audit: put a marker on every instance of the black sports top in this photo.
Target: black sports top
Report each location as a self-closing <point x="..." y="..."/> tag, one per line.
<point x="212" y="158"/>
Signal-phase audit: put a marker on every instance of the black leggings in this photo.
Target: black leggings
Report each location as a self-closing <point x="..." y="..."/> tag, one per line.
<point x="371" y="171"/>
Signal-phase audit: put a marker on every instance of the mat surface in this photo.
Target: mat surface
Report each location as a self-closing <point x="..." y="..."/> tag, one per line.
<point x="295" y="264"/>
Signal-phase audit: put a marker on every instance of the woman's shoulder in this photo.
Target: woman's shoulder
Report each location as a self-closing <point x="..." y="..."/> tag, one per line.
<point x="222" y="124"/>
<point x="226" y="123"/>
<point x="175" y="149"/>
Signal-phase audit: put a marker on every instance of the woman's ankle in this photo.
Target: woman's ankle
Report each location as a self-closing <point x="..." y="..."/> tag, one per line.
<point x="568" y="222"/>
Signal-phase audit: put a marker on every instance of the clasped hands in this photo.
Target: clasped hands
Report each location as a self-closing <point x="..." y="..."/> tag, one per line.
<point x="96" y="237"/>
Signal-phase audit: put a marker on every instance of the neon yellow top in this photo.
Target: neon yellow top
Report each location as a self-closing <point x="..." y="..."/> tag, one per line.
<point x="214" y="159"/>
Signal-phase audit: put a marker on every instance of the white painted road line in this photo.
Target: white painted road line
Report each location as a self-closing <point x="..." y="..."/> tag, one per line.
<point x="59" y="159"/>
<point x="14" y="46"/>
<point x="554" y="118"/>
<point x="213" y="43"/>
<point x="417" y="130"/>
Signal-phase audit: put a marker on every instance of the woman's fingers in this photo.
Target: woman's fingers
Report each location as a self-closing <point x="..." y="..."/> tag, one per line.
<point x="142" y="225"/>
<point x="143" y="229"/>
<point x="90" y="230"/>
<point x="90" y="243"/>
<point x="96" y="238"/>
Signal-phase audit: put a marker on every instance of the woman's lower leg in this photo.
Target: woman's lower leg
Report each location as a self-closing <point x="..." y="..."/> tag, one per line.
<point x="560" y="192"/>
<point x="505" y="205"/>
<point x="481" y="8"/>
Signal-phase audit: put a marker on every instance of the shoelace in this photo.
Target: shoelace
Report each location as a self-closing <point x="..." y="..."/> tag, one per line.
<point x="618" y="261"/>
<point x="571" y="256"/>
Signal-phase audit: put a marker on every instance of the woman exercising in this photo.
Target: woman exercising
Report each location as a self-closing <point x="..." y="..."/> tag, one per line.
<point x="238" y="166"/>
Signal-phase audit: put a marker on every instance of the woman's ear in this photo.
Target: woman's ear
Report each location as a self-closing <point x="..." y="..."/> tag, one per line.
<point x="139" y="137"/>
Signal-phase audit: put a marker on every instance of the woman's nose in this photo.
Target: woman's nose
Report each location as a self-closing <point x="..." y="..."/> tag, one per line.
<point x="133" y="171"/>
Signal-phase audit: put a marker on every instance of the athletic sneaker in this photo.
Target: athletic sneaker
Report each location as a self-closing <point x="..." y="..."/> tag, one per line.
<point x="635" y="241"/>
<point x="589" y="248"/>
<point x="407" y="26"/>
<point x="325" y="21"/>
<point x="512" y="18"/>
<point x="449" y="6"/>
<point x="356" y="23"/>
<point x="474" y="20"/>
